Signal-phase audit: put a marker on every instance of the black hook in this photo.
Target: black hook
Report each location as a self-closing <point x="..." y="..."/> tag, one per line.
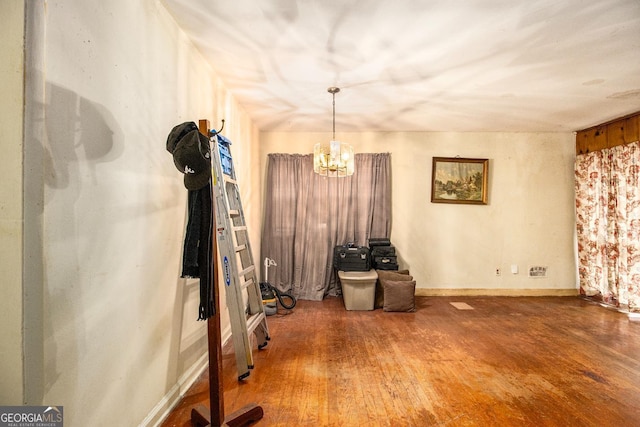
<point x="215" y="132"/>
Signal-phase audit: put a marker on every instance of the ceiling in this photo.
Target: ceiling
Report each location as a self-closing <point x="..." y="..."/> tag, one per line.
<point x="422" y="65"/>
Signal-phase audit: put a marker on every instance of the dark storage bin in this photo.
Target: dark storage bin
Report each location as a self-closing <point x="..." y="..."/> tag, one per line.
<point x="381" y="251"/>
<point x="385" y="263"/>
<point x="351" y="258"/>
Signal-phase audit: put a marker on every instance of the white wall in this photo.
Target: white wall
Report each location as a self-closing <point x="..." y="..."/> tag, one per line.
<point x="453" y="248"/>
<point x="11" y="207"/>
<point x="121" y="338"/>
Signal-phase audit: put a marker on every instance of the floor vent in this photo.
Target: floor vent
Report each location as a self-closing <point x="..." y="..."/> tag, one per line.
<point x="538" y="271"/>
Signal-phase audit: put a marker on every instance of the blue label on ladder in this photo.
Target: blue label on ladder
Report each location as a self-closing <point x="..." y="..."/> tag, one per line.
<point x="225" y="155"/>
<point x="227" y="274"/>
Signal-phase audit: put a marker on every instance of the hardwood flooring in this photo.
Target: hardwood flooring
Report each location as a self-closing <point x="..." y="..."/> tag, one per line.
<point x="507" y="361"/>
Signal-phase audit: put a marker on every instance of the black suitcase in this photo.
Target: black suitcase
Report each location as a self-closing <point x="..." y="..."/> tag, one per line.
<point x="379" y="241"/>
<point x="385" y="262"/>
<point x="382" y="251"/>
<point x="352" y="258"/>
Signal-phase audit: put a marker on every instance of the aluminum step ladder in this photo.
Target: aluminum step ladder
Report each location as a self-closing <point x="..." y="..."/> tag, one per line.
<point x="242" y="288"/>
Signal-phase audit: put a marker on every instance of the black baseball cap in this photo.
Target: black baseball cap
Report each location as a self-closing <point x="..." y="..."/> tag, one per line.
<point x="192" y="157"/>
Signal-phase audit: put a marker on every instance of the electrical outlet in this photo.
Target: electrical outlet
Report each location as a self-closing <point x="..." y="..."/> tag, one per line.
<point x="498" y="272"/>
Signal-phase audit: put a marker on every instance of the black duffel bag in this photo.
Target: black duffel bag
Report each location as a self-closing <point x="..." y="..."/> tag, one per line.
<point x="379" y="241"/>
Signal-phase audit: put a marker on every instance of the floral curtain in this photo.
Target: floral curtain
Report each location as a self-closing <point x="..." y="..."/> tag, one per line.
<point x="608" y="224"/>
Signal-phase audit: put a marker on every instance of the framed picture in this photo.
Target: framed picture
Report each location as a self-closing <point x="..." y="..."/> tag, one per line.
<point x="459" y="180"/>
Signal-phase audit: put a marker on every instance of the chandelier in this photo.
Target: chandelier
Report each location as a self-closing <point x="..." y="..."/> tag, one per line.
<point x="334" y="158"/>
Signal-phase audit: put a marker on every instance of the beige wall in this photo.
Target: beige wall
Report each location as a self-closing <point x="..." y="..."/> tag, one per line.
<point x="11" y="207"/>
<point x="529" y="219"/>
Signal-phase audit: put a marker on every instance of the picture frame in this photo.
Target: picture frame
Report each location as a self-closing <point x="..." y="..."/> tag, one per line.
<point x="459" y="180"/>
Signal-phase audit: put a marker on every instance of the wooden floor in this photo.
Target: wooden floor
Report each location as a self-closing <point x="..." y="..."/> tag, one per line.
<point x="533" y="361"/>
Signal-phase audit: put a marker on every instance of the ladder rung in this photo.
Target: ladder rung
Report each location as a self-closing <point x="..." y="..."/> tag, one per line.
<point x="240" y="228"/>
<point x="254" y="320"/>
<point x="248" y="283"/>
<point x="240" y="248"/>
<point x="247" y="270"/>
<point x="228" y="179"/>
<point x="234" y="212"/>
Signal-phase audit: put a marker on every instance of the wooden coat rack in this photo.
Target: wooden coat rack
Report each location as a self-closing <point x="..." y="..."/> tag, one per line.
<point x="201" y="416"/>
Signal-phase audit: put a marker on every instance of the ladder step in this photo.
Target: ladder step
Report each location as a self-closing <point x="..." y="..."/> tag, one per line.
<point x="228" y="179"/>
<point x="247" y="270"/>
<point x="240" y="248"/>
<point x="240" y="228"/>
<point x="248" y="283"/>
<point x="234" y="212"/>
<point x="254" y="320"/>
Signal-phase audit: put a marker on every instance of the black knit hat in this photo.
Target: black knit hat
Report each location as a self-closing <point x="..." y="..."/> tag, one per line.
<point x="192" y="157"/>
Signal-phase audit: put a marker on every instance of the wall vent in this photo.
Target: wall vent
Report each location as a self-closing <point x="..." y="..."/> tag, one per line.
<point x="538" y="271"/>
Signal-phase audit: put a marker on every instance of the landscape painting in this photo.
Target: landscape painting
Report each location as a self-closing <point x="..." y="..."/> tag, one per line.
<point x="459" y="180"/>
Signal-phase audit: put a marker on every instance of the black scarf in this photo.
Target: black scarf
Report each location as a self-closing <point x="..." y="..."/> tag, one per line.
<point x="197" y="257"/>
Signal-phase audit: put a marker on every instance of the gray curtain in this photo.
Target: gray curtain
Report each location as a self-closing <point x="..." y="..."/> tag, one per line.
<point x="307" y="215"/>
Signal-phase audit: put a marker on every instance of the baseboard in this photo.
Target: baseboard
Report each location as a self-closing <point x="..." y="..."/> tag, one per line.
<point x="431" y="292"/>
<point x="175" y="394"/>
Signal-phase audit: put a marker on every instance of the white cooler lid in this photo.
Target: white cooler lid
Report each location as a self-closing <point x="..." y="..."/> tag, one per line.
<point x="358" y="275"/>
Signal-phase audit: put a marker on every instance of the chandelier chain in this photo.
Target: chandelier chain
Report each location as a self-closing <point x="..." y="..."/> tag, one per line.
<point x="334" y="116"/>
<point x="333" y="90"/>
